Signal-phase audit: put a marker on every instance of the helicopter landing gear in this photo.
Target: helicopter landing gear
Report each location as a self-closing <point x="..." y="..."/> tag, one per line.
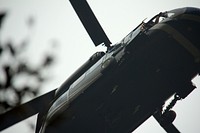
<point x="166" y="118"/>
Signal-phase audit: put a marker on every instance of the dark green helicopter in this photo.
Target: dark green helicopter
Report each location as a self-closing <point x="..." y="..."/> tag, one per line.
<point x="117" y="90"/>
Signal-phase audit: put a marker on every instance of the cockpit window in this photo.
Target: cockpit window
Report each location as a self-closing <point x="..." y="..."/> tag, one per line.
<point x="170" y="14"/>
<point x="132" y="34"/>
<point x="158" y="18"/>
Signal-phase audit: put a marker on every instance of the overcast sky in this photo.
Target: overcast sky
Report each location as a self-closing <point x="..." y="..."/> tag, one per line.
<point x="55" y="22"/>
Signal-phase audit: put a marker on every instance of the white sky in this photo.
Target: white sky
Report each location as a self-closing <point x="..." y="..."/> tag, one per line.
<point x="56" y="22"/>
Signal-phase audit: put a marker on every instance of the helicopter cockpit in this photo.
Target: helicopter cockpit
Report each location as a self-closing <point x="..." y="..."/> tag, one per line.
<point x="159" y="18"/>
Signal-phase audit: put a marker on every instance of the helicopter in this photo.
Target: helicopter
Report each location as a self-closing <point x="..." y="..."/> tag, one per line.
<point x="106" y="93"/>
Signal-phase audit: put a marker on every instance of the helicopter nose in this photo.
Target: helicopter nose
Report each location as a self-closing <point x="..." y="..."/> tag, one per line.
<point x="184" y="26"/>
<point x="187" y="22"/>
<point x="192" y="10"/>
<point x="189" y="28"/>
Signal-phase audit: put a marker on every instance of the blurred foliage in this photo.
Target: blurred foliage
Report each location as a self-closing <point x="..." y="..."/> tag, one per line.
<point x="18" y="78"/>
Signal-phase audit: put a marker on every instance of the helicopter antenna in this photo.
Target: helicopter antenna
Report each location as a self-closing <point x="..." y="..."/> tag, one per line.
<point x="90" y="22"/>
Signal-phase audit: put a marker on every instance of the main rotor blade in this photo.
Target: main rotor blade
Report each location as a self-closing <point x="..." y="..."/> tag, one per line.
<point x="90" y="22"/>
<point x="25" y="110"/>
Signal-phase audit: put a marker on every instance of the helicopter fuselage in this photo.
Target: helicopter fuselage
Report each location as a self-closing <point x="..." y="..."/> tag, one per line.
<point x="116" y="91"/>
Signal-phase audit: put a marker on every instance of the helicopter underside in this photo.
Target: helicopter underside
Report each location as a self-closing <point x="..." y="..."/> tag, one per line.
<point x="125" y="97"/>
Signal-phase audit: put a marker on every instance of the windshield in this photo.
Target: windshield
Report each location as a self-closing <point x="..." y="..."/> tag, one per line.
<point x="132" y="34"/>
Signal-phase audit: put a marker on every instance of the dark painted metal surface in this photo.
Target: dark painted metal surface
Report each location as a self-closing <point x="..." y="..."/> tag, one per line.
<point x="156" y="60"/>
<point x="153" y="65"/>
